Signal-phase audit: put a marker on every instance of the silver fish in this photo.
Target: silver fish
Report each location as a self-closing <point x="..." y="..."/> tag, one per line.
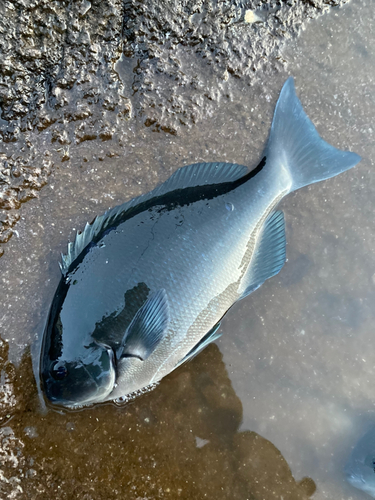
<point x="360" y="468"/>
<point x="145" y="286"/>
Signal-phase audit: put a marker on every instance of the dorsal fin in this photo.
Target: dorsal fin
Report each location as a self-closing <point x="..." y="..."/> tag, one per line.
<point x="198" y="174"/>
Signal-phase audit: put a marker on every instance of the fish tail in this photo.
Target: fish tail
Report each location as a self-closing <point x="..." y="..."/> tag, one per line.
<point x="295" y="146"/>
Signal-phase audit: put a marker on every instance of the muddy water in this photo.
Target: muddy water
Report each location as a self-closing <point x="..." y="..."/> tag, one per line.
<point x="288" y="390"/>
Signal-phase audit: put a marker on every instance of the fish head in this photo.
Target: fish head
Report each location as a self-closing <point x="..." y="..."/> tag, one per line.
<point x="89" y="378"/>
<point x="75" y="368"/>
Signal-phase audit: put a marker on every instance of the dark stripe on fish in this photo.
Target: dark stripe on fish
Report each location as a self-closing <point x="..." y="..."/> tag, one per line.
<point x="186" y="196"/>
<point x="52" y="340"/>
<point x="178" y="197"/>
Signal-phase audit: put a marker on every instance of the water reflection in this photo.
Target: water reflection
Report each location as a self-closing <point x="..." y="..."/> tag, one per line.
<point x="360" y="468"/>
<point x="180" y="441"/>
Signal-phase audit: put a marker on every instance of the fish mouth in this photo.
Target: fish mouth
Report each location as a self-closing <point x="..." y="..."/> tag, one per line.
<point x="56" y="402"/>
<point x="84" y="385"/>
<point x="97" y="395"/>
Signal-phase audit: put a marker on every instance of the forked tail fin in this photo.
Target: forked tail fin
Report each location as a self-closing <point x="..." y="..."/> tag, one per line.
<point x="295" y="145"/>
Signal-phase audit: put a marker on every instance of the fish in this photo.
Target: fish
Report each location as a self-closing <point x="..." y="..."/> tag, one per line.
<point x="145" y="286"/>
<point x="360" y="468"/>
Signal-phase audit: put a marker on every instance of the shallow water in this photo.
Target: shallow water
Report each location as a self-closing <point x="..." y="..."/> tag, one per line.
<point x="291" y="390"/>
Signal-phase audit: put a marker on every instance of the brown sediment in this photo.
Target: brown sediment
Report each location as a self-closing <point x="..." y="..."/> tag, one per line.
<point x="180" y="441"/>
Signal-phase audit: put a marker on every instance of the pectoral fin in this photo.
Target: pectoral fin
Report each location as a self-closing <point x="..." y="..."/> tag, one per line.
<point x="147" y="328"/>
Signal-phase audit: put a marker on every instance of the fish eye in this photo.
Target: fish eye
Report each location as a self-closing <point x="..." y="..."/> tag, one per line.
<point x="59" y="371"/>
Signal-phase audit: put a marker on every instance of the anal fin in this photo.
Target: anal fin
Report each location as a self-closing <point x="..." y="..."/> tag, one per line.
<point x="210" y="336"/>
<point x="269" y="254"/>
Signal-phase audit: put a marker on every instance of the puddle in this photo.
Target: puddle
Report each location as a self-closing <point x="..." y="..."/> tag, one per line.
<point x="305" y="368"/>
<point x="290" y="392"/>
<point x="188" y="446"/>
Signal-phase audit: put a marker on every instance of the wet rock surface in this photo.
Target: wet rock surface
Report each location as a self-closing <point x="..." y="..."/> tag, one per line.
<point x="79" y="71"/>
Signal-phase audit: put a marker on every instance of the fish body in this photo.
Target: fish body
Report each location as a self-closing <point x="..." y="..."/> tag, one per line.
<point x="360" y="468"/>
<point x="144" y="287"/>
